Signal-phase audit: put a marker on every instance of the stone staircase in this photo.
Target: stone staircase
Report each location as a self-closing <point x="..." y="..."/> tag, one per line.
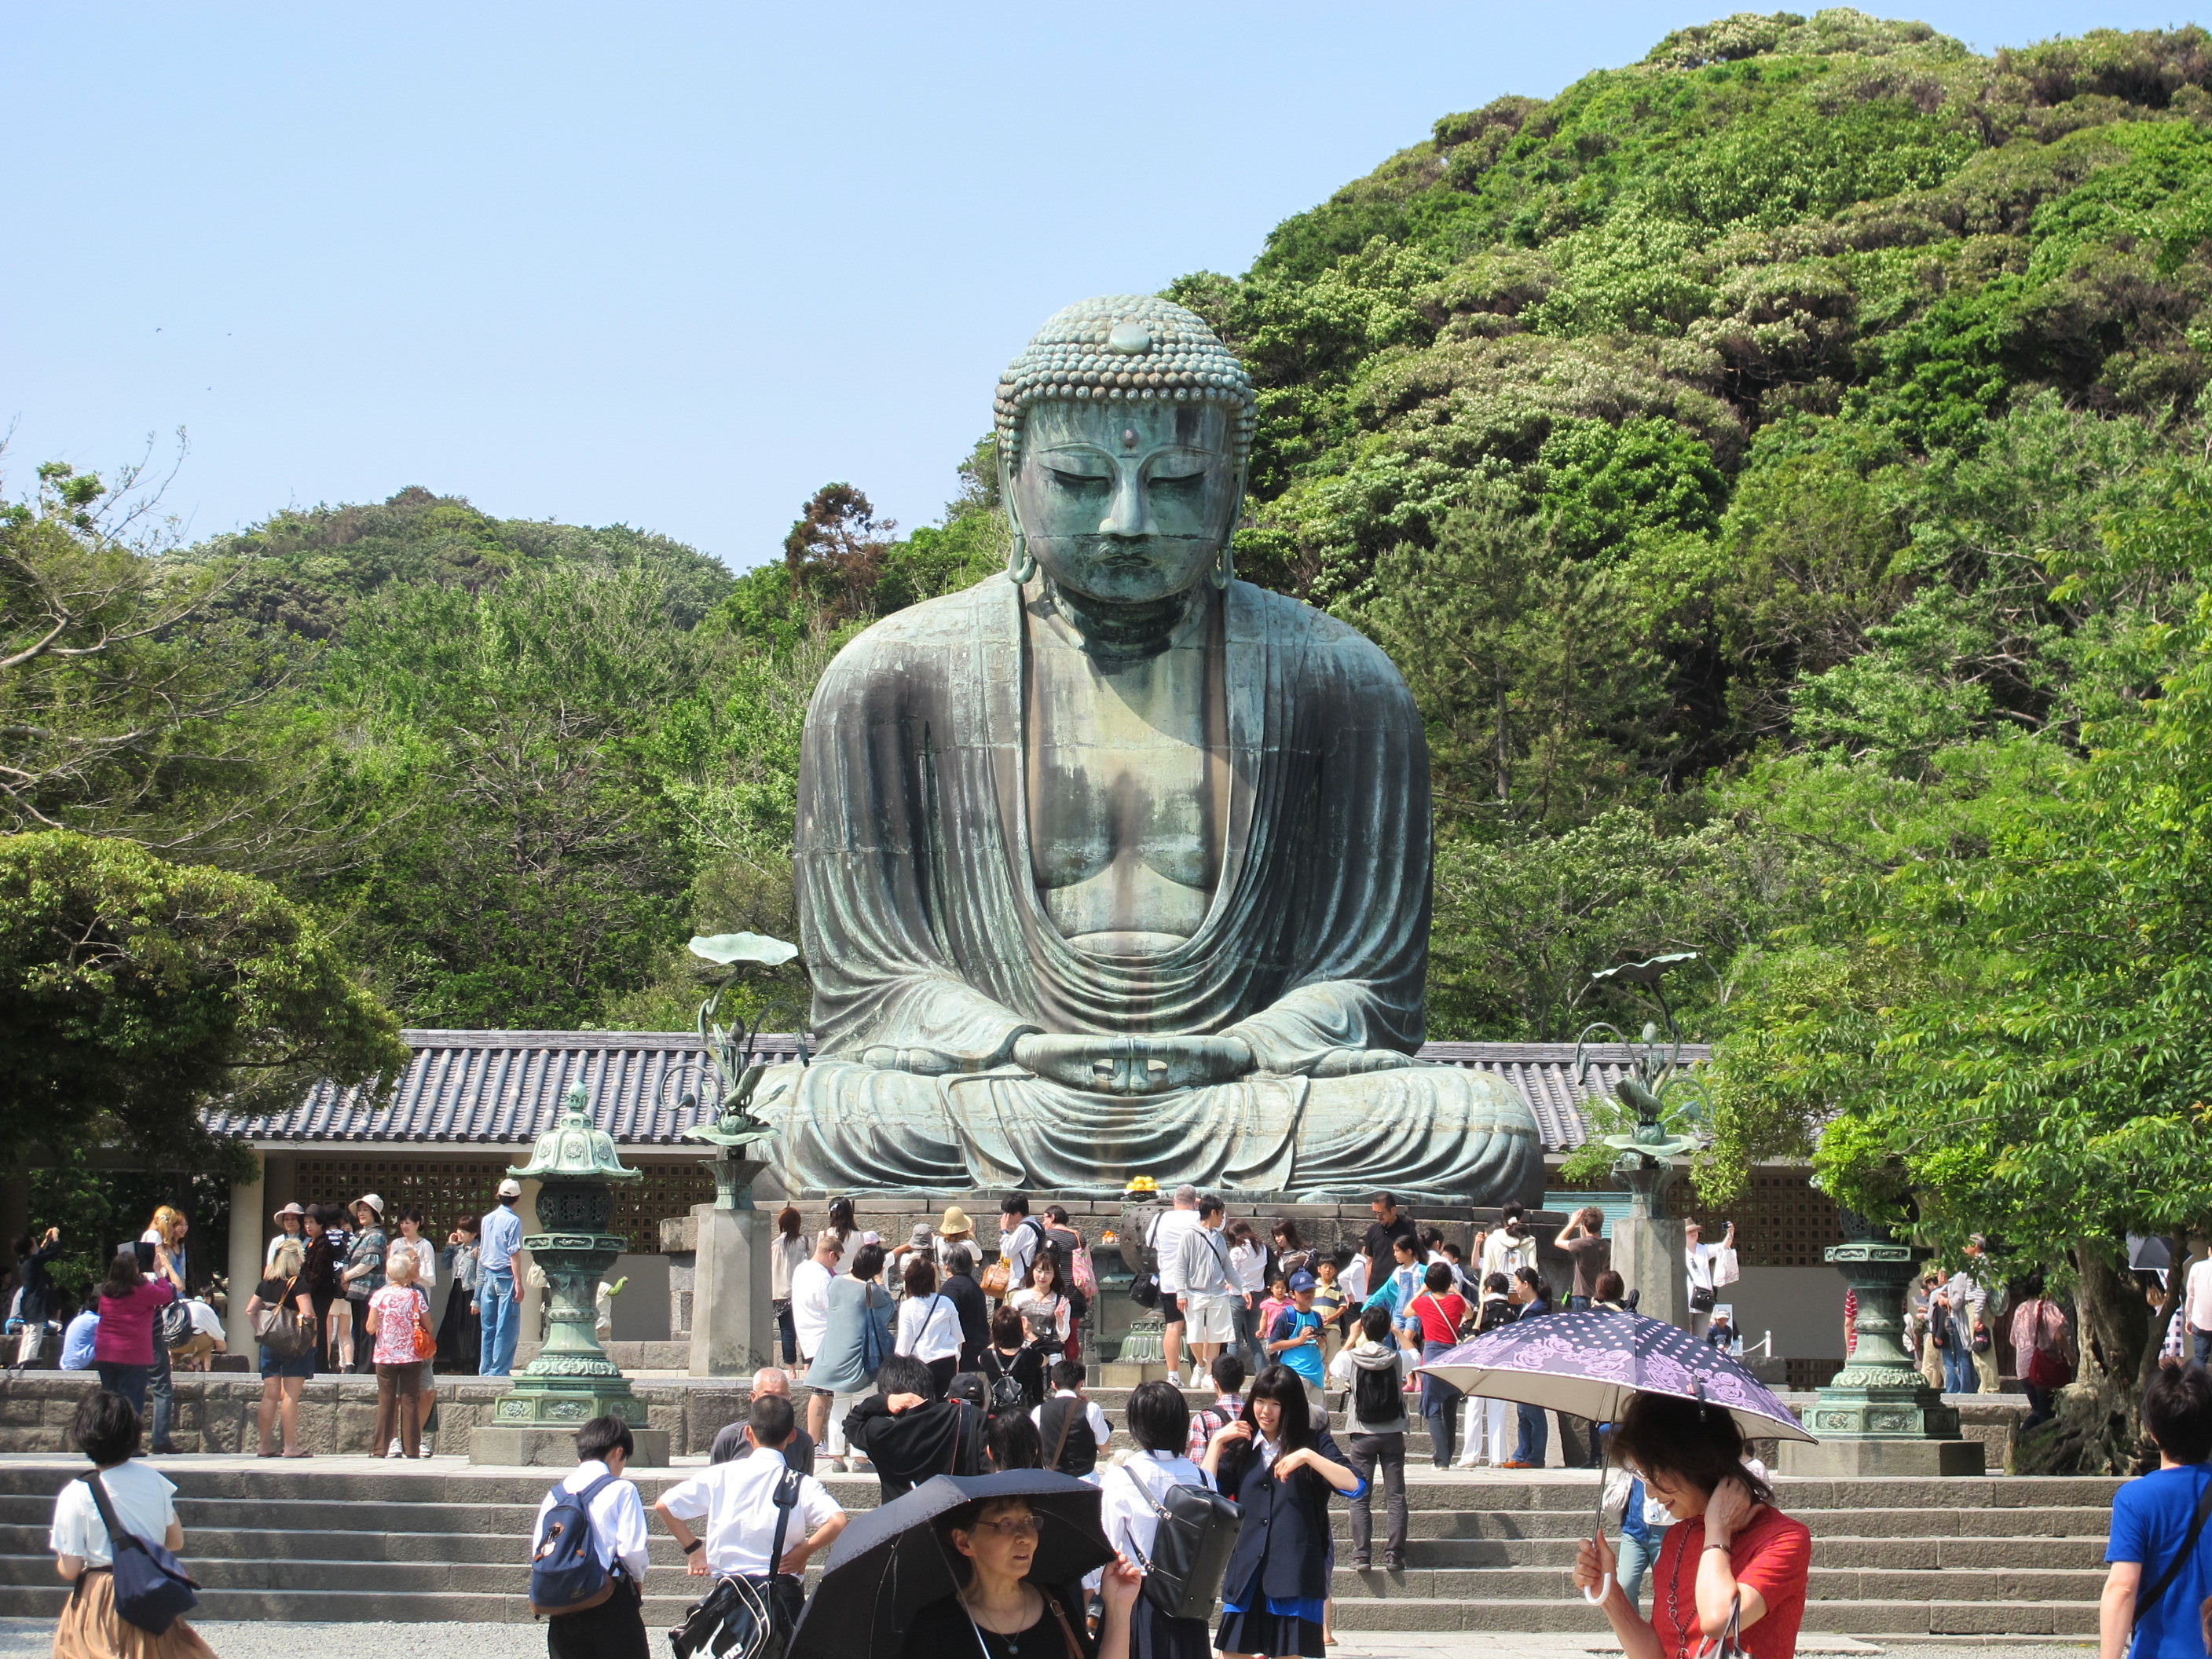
<point x="347" y="1541"/>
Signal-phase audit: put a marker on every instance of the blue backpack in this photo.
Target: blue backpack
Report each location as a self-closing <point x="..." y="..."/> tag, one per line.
<point x="565" y="1573"/>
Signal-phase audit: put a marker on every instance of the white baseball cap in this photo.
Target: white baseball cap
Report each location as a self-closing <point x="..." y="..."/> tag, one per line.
<point x="510" y="1189"/>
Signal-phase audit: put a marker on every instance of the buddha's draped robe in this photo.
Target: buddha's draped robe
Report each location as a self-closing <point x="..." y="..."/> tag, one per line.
<point x="931" y="951"/>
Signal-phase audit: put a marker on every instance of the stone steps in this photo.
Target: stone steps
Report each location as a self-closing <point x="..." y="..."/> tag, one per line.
<point x="442" y="1540"/>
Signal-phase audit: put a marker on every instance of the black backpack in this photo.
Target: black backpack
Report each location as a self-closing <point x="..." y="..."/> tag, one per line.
<point x="1376" y="1395"/>
<point x="1197" y="1532"/>
<point x="1006" y="1394"/>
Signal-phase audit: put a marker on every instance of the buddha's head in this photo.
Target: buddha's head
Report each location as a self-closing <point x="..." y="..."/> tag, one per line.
<point x="1123" y="430"/>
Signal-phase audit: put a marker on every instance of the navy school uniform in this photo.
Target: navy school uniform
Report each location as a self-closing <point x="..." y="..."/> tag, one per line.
<point x="1277" y="1575"/>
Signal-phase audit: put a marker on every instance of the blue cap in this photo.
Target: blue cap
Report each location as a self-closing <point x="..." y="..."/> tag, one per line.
<point x="1303" y="1280"/>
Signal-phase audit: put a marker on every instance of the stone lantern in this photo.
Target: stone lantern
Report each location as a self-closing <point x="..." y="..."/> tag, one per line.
<point x="571" y="1380"/>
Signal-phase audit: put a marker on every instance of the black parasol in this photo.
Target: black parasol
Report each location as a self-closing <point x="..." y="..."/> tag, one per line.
<point x="888" y="1565"/>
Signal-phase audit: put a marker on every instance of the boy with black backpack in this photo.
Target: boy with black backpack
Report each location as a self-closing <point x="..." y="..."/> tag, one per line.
<point x="1373" y="1371"/>
<point x="588" y="1552"/>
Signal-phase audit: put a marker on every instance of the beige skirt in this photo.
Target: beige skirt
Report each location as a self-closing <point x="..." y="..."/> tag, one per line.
<point x="90" y="1628"/>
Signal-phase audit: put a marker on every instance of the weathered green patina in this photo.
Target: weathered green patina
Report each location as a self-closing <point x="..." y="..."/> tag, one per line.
<point x="571" y="1380"/>
<point x="1120" y="866"/>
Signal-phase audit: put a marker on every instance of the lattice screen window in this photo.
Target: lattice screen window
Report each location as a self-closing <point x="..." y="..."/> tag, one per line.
<point x="1780" y="1220"/>
<point x="445" y="1189"/>
<point x="449" y="1189"/>
<point x="668" y="1190"/>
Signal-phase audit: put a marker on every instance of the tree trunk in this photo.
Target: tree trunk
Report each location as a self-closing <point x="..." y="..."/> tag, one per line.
<point x="2097" y="1429"/>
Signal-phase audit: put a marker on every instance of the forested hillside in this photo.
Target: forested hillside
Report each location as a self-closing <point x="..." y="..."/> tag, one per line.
<point x="1780" y="467"/>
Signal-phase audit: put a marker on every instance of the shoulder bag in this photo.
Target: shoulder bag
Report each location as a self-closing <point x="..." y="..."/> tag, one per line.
<point x="751" y="1616"/>
<point x="278" y="1328"/>
<point x="426" y="1339"/>
<point x="1191" y="1546"/>
<point x="152" y="1589"/>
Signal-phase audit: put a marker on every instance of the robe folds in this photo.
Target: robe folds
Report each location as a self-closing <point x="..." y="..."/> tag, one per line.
<point x="931" y="951"/>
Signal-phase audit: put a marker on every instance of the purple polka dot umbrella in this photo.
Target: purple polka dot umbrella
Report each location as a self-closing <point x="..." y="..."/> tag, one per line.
<point x="1591" y="1363"/>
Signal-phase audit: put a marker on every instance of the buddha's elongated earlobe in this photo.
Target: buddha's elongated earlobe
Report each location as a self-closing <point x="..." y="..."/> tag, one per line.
<point x="1224" y="568"/>
<point x="1020" y="567"/>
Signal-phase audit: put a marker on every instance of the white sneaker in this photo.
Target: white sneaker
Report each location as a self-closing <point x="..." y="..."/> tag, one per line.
<point x="393" y="1449"/>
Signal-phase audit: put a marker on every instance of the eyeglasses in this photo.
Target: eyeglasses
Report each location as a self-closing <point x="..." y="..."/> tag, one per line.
<point x="1016" y="1526"/>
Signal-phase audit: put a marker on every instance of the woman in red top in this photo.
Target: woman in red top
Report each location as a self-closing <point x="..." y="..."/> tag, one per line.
<point x="1434" y="1316"/>
<point x="1731" y="1542"/>
<point x="122" y="1345"/>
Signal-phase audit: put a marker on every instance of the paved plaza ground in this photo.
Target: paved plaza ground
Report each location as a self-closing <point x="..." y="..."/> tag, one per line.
<point x="31" y="1638"/>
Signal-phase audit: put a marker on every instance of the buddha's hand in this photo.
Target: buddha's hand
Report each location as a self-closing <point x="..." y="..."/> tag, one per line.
<point x="1349" y="1062"/>
<point x="1133" y="1065"/>
<point x="926" y="1061"/>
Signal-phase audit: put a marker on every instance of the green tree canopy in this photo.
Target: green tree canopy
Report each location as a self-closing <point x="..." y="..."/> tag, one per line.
<point x="135" y="992"/>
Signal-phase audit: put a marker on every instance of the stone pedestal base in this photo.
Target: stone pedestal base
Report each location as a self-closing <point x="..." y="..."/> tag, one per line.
<point x="1648" y="1255"/>
<point x="1122" y="1374"/>
<point x="552" y="1448"/>
<point x="1844" y="1459"/>
<point x="732" y="1314"/>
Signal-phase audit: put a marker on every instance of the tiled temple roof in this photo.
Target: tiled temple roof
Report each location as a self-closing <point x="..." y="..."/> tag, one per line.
<point x="502" y="1088"/>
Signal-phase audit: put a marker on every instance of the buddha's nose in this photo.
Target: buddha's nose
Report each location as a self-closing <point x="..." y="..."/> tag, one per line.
<point x="1131" y="514"/>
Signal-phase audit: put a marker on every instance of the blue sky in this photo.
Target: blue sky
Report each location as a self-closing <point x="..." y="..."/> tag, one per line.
<point x="672" y="265"/>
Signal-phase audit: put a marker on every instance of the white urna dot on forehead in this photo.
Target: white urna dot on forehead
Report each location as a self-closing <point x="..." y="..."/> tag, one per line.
<point x="1128" y="437"/>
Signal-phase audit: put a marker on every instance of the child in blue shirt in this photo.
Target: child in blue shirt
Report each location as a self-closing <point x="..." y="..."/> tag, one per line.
<point x="2154" y="1517"/>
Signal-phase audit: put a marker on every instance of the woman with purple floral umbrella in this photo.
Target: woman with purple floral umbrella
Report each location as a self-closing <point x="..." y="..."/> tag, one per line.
<point x="1594" y="1363"/>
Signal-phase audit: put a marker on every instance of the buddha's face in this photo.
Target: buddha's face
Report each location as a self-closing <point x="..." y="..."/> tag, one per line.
<point x="1126" y="504"/>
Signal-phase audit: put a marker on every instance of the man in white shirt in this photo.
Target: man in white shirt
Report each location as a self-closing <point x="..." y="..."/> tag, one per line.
<point x="1165" y="1239"/>
<point x="614" y="1629"/>
<point x="736" y="1501"/>
<point x="1511" y="1246"/>
<point x="1019" y="1238"/>
<point x="810" y="1317"/>
<point x="1702" y="1262"/>
<point x="1206" y="1287"/>
<point x="2197" y="1303"/>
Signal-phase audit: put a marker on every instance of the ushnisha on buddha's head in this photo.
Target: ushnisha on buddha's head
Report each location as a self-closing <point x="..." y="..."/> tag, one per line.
<point x="1124" y="431"/>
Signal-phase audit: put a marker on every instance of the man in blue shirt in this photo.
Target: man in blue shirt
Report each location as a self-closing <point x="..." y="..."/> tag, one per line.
<point x="495" y="1305"/>
<point x="77" y="1340"/>
<point x="2153" y="1518"/>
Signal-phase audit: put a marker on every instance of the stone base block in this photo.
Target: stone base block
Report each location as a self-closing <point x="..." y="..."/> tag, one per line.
<point x="1117" y="1374"/>
<point x="1843" y="1459"/>
<point x="551" y="1448"/>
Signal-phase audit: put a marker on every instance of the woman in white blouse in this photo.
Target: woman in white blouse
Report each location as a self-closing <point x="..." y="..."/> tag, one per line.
<point x="1048" y="1317"/>
<point x="929" y="1323"/>
<point x="106" y="1430"/>
<point x="1159" y="1422"/>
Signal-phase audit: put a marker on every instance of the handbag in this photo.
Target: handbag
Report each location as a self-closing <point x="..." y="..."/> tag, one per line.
<point x="1191" y="1546"/>
<point x="1701" y="1299"/>
<point x="278" y="1328"/>
<point x="152" y="1590"/>
<point x="426" y="1339"/>
<point x="995" y="1278"/>
<point x="1728" y="1645"/>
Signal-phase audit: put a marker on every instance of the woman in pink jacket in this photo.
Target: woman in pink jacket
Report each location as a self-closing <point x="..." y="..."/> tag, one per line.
<point x="123" y="1347"/>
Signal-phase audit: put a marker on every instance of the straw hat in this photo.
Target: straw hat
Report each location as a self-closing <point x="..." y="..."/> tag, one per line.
<point x="372" y="1202"/>
<point x="289" y="1209"/>
<point x="955" y="1225"/>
